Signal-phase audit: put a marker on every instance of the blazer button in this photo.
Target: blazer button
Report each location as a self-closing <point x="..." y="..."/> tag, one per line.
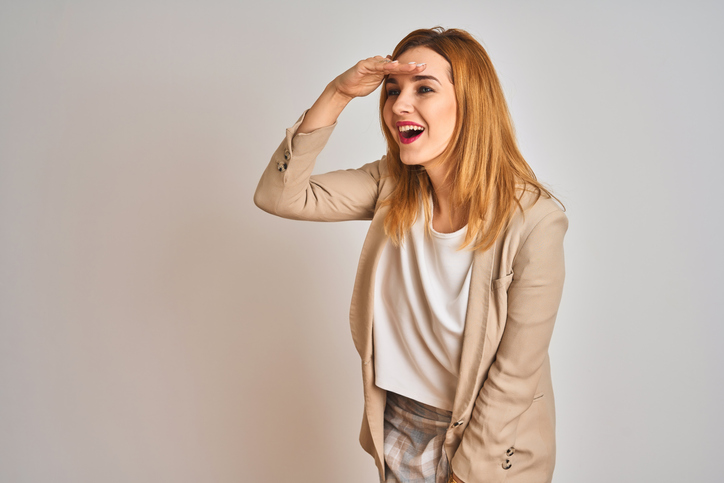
<point x="287" y="154"/>
<point x="506" y="464"/>
<point x="457" y="423"/>
<point x="510" y="451"/>
<point x="281" y="166"/>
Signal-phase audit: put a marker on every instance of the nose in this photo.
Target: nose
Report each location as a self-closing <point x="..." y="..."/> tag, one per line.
<point x="402" y="104"/>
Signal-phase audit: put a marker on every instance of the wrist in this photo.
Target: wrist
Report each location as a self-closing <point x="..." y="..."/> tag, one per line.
<point x="337" y="96"/>
<point x="324" y="111"/>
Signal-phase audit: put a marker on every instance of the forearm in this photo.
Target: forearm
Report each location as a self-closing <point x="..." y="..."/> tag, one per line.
<point x="292" y="192"/>
<point x="325" y="111"/>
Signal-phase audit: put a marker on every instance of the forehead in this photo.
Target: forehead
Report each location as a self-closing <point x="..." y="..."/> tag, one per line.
<point x="436" y="65"/>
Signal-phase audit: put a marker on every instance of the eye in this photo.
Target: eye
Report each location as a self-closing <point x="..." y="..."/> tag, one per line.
<point x="393" y="92"/>
<point x="425" y="90"/>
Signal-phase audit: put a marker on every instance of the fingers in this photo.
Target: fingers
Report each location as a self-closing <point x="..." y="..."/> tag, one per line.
<point x="394" y="67"/>
<point x="388" y="66"/>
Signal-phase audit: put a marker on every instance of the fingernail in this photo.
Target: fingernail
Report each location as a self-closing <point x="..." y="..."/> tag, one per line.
<point x="412" y="63"/>
<point x="393" y="62"/>
<point x="420" y="65"/>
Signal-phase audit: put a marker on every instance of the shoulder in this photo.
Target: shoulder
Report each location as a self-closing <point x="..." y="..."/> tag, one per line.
<point x="534" y="233"/>
<point x="539" y="212"/>
<point x="536" y="207"/>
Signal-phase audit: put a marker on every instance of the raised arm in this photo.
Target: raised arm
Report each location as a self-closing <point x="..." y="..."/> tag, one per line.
<point x="359" y="80"/>
<point x="287" y="187"/>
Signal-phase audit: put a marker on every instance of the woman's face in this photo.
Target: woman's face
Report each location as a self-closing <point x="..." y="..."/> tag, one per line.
<point x="421" y="108"/>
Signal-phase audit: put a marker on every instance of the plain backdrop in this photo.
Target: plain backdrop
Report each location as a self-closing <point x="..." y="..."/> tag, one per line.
<point x="155" y="326"/>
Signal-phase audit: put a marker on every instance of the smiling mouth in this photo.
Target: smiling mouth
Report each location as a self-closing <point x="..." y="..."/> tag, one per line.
<point x="409" y="133"/>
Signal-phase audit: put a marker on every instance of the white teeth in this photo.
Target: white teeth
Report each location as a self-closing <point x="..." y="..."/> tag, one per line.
<point x="410" y="128"/>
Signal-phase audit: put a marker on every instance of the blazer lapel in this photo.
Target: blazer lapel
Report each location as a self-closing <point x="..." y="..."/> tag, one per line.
<point x="476" y="321"/>
<point x="361" y="308"/>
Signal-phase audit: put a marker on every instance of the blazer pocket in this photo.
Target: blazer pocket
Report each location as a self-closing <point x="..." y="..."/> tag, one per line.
<point x="503" y="282"/>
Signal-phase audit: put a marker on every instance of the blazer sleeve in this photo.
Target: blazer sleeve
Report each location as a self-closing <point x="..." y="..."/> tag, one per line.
<point x="288" y="189"/>
<point x="533" y="299"/>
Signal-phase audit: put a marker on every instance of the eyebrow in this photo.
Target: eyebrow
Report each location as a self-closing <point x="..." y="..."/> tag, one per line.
<point x="417" y="78"/>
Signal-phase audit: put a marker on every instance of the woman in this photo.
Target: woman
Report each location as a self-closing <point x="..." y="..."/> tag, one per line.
<point x="461" y="271"/>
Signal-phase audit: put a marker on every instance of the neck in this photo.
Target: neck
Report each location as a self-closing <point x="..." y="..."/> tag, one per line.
<point x="444" y="218"/>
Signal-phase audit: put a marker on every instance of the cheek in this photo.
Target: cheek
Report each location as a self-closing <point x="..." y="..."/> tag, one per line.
<point x="450" y="115"/>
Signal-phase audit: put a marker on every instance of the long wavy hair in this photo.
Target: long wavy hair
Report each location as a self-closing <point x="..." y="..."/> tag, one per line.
<point x="484" y="167"/>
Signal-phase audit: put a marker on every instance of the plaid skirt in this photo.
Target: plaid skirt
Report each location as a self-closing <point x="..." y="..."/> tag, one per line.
<point x="414" y="438"/>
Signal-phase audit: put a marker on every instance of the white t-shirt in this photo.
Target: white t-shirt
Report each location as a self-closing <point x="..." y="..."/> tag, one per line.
<point x="421" y="298"/>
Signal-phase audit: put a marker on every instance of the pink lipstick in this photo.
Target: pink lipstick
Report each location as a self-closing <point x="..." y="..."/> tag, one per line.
<point x="409" y="131"/>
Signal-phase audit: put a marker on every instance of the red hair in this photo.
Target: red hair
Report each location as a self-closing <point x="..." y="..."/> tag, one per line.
<point x="485" y="168"/>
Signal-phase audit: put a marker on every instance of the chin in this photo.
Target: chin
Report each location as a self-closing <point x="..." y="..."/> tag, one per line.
<point x="409" y="160"/>
<point x="414" y="161"/>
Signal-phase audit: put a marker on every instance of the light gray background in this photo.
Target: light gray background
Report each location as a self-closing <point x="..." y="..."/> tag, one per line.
<point x="155" y="326"/>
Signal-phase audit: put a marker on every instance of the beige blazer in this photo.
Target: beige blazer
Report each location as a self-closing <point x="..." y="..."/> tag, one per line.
<point x="503" y="420"/>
